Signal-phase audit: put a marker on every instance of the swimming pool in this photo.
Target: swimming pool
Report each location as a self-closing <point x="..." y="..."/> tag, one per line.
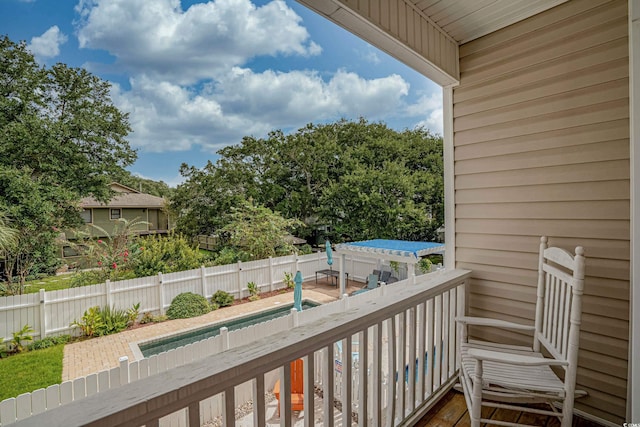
<point x="158" y="346"/>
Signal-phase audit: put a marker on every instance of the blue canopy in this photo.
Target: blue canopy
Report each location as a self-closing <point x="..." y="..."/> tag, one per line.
<point x="401" y="248"/>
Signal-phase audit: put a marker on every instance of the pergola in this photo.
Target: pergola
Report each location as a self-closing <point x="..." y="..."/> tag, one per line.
<point x="390" y="250"/>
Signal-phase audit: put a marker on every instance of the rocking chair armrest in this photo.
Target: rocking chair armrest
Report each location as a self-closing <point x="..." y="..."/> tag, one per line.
<point x="514" y="359"/>
<point x="496" y="323"/>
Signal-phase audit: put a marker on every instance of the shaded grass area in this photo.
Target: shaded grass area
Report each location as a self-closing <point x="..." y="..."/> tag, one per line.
<point x="50" y="283"/>
<point x="27" y="372"/>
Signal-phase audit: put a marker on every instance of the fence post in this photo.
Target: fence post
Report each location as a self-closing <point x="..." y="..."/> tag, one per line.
<point x="224" y="335"/>
<point x="271" y="274"/>
<point x="107" y="287"/>
<point x="43" y="321"/>
<point x="411" y="273"/>
<point x="203" y="280"/>
<point x="160" y="294"/>
<point x="124" y="370"/>
<point x="239" y="279"/>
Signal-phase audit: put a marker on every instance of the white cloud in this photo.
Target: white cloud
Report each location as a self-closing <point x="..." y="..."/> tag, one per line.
<point x="370" y="55"/>
<point x="185" y="46"/>
<point x="48" y="44"/>
<point x="190" y="82"/>
<point x="430" y="108"/>
<point x="168" y="117"/>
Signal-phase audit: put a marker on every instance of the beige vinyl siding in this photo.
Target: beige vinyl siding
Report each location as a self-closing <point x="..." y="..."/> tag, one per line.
<point x="541" y="136"/>
<point x="406" y="23"/>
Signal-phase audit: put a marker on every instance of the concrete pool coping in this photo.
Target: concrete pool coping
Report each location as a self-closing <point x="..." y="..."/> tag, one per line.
<point x="97" y="354"/>
<point x="138" y="352"/>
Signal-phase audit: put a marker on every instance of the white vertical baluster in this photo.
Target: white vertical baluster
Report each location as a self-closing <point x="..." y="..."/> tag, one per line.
<point x="259" y="411"/>
<point x="431" y="362"/>
<point x="393" y="370"/>
<point x="377" y="375"/>
<point x="327" y="400"/>
<point x="420" y="332"/>
<point x="346" y="381"/>
<point x="309" y="391"/>
<point x="443" y="357"/>
<point x="411" y="380"/>
<point x="402" y="363"/>
<point x="453" y="299"/>
<point x="363" y="364"/>
<point x="437" y="353"/>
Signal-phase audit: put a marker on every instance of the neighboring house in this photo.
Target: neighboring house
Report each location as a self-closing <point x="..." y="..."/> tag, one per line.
<point x="129" y="204"/>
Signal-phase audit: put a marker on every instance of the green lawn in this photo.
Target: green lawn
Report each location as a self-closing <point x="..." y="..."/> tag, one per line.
<point x="51" y="283"/>
<point x="27" y="372"/>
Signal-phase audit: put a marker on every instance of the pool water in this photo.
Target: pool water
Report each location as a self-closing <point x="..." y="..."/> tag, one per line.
<point x="164" y="344"/>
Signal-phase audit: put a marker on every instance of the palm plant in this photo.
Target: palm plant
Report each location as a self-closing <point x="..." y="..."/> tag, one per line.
<point x="8" y="235"/>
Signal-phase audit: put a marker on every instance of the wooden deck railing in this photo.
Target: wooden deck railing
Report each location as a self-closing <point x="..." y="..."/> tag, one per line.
<point x="387" y="336"/>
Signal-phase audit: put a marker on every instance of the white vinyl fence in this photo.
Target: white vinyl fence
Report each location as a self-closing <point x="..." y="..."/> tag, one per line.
<point x="51" y="313"/>
<point x="424" y="322"/>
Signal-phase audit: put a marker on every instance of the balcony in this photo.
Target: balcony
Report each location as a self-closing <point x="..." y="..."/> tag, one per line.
<point x="391" y="330"/>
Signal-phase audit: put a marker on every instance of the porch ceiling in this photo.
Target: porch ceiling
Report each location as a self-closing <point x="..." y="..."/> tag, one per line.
<point x="465" y="20"/>
<point x="425" y="34"/>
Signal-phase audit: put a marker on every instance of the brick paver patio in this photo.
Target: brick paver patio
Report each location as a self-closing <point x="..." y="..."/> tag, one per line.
<point x="94" y="355"/>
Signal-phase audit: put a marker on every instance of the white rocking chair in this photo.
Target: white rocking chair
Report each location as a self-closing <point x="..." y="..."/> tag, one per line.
<point x="492" y="373"/>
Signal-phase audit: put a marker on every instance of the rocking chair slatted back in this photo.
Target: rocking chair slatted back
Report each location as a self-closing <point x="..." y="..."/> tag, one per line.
<point x="559" y="304"/>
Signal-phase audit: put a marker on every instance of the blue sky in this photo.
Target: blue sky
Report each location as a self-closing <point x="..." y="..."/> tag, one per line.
<point x="197" y="76"/>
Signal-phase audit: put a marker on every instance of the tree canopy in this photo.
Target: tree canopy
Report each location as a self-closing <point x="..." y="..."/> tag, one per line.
<point x="61" y="138"/>
<point x="363" y="180"/>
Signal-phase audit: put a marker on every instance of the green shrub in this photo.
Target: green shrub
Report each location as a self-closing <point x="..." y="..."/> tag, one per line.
<point x="230" y="255"/>
<point x="105" y="321"/>
<point x="49" y="342"/>
<point x="425" y="265"/>
<point x="288" y="280"/>
<point x="114" y="320"/>
<point x="94" y="277"/>
<point x="133" y="313"/>
<point x="150" y="318"/>
<point x="305" y="249"/>
<point x="222" y="299"/>
<point x="166" y="255"/>
<point x="86" y="278"/>
<point x="253" y="291"/>
<point x="188" y="305"/>
<point x="90" y="322"/>
<point x="19" y="336"/>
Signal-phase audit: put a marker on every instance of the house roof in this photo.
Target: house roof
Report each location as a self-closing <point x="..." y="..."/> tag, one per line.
<point x="125" y="197"/>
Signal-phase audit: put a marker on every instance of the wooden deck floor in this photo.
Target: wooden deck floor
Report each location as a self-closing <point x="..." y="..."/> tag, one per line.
<point x="451" y="411"/>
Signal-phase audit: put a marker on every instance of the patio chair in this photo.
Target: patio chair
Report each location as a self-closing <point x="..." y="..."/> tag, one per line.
<point x="372" y="283"/>
<point x="297" y="387"/>
<point x="517" y="375"/>
<point x="384" y="277"/>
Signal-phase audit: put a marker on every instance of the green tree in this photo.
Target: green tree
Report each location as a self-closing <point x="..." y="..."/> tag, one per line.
<point x="37" y="217"/>
<point x="258" y="231"/>
<point x="363" y="179"/>
<point x="60" y="139"/>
